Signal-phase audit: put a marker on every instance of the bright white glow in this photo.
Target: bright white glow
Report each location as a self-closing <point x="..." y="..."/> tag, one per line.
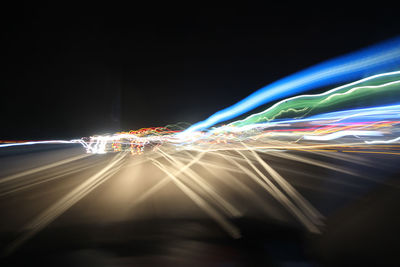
<point x="383" y="141"/>
<point x="340" y="134"/>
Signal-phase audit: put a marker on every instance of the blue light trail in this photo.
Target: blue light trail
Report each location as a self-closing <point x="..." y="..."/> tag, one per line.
<point x="382" y="57"/>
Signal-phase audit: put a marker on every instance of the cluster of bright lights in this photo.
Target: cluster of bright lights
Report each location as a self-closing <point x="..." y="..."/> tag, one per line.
<point x="134" y="141"/>
<point x="350" y="127"/>
<point x="368" y="125"/>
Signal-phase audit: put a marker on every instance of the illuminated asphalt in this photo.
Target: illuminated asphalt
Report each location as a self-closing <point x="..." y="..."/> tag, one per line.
<point x="139" y="215"/>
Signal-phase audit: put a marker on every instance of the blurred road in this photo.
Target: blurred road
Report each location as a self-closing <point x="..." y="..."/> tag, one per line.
<point x="62" y="207"/>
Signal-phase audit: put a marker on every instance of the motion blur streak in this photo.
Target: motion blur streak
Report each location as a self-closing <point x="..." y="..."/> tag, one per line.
<point x="263" y="166"/>
<point x="39" y="169"/>
<point x="235" y="233"/>
<point x="308" y="208"/>
<point x="376" y="58"/>
<point x="340" y="134"/>
<point x="164" y="181"/>
<point x="27" y="143"/>
<point x="283" y="199"/>
<point x="232" y="211"/>
<point x="67" y="201"/>
<point x="304" y="104"/>
<point x="384" y="141"/>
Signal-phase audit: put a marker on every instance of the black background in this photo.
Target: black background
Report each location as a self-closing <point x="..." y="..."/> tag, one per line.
<point x="73" y="70"/>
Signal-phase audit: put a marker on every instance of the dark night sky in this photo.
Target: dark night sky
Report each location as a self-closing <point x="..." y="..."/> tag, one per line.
<point x="77" y="70"/>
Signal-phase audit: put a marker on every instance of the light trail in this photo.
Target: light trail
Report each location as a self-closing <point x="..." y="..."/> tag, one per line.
<point x="324" y="128"/>
<point x="306" y="207"/>
<point x="397" y="139"/>
<point x="66" y="202"/>
<point x="336" y="135"/>
<point x="46" y="142"/>
<point x="229" y="227"/>
<point x="307" y="103"/>
<point x="28" y="183"/>
<point x="277" y="194"/>
<point x="232" y="211"/>
<point x="42" y="168"/>
<point x="164" y="181"/>
<point x="341" y="69"/>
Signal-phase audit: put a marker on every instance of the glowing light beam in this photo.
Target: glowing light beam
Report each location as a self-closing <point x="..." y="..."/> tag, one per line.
<point x="341" y="69"/>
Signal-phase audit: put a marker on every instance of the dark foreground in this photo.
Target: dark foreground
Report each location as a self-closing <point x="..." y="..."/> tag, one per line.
<point x="116" y="225"/>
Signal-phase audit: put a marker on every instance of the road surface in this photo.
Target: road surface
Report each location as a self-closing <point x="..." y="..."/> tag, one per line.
<point x="62" y="207"/>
